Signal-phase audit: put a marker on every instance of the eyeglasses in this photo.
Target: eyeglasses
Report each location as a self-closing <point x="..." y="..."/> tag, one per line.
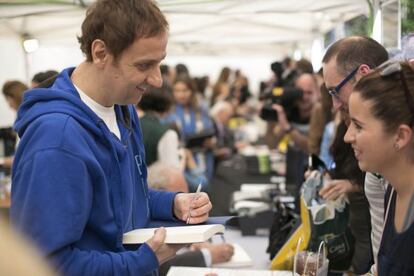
<point x="392" y="67"/>
<point x="335" y="91"/>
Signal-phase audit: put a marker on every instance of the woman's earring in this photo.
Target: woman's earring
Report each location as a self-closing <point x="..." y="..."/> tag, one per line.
<point x="396" y="147"/>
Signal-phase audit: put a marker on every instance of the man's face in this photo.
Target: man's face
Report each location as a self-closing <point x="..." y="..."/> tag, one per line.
<point x="137" y="68"/>
<point x="332" y="78"/>
<point x="307" y="84"/>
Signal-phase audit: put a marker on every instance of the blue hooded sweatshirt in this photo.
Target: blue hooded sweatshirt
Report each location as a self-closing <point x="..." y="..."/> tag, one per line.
<point x="77" y="188"/>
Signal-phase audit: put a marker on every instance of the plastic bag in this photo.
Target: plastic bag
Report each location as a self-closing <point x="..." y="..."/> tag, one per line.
<point x="309" y="263"/>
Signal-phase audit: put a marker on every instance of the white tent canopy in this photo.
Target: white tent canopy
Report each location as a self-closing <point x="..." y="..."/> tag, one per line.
<point x="206" y="27"/>
<point x="204" y="34"/>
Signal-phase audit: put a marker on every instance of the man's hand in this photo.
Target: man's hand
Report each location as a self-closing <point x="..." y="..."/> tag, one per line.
<point x="162" y="250"/>
<point x="200" y="206"/>
<point x="220" y="253"/>
<point x="281" y="117"/>
<point x="336" y="188"/>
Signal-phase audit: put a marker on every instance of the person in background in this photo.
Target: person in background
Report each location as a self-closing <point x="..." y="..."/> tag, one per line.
<point x="163" y="177"/>
<point x="321" y="115"/>
<point x="189" y="118"/>
<point x="18" y="256"/>
<point x="40" y="77"/>
<point x="181" y="71"/>
<point x="168" y="75"/>
<point x="79" y="177"/>
<point x="344" y="63"/>
<point x="381" y="134"/>
<point x="221" y="113"/>
<point x="13" y="92"/>
<point x="161" y="143"/>
<point x="298" y="130"/>
<point x="221" y="89"/>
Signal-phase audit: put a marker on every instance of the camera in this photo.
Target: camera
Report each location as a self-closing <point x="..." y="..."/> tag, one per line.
<point x="284" y="96"/>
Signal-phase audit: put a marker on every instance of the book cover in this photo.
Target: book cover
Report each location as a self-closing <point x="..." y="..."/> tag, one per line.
<point x="175" y="235"/>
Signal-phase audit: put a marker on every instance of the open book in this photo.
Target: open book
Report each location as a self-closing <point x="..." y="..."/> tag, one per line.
<point x="240" y="258"/>
<point x="178" y="234"/>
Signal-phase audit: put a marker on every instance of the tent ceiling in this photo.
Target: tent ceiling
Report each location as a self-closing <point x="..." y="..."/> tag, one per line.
<point x="213" y="27"/>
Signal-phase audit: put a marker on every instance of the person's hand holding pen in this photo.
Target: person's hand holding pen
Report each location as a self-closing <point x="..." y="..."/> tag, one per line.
<point x="193" y="208"/>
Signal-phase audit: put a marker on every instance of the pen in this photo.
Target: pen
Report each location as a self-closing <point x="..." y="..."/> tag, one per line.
<point x="194" y="198"/>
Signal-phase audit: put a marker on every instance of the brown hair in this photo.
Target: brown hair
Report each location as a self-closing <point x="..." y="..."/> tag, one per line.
<point x="189" y="83"/>
<point x="390" y="104"/>
<point x="353" y="51"/>
<point x="118" y="23"/>
<point x="14" y="89"/>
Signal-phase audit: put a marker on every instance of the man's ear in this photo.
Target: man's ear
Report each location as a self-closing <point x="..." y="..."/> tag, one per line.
<point x="99" y="53"/>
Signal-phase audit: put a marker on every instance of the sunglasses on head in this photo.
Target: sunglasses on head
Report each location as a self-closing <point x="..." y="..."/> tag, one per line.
<point x="335" y="91"/>
<point x="390" y="68"/>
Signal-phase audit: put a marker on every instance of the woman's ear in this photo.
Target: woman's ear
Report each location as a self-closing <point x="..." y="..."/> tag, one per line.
<point x="99" y="52"/>
<point x="404" y="136"/>
<point x="364" y="69"/>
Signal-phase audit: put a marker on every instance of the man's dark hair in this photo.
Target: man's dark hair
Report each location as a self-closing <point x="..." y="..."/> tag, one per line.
<point x="156" y="100"/>
<point x="118" y="23"/>
<point x="42" y="76"/>
<point x="165" y="69"/>
<point x="353" y="51"/>
<point x="181" y="70"/>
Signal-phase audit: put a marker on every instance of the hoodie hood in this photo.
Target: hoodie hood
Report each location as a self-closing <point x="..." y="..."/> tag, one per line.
<point x="61" y="97"/>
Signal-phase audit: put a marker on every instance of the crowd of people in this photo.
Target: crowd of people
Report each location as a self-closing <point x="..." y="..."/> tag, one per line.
<point x="120" y="140"/>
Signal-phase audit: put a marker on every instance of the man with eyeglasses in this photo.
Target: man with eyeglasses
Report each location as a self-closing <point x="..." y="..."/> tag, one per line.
<point x="344" y="63"/>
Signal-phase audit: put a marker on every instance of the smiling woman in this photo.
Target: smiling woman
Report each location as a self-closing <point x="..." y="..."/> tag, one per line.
<point x="381" y="134"/>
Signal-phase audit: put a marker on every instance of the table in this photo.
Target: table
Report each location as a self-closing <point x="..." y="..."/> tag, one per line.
<point x="228" y="177"/>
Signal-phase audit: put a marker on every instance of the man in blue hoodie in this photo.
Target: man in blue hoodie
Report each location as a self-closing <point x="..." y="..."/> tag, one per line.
<point x="79" y="176"/>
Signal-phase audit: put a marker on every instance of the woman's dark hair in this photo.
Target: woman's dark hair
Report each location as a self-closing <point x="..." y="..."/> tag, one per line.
<point x="387" y="91"/>
<point x="346" y="165"/>
<point x="156" y="100"/>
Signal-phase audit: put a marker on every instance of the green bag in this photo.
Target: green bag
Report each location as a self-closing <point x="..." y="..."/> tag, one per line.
<point x="329" y="224"/>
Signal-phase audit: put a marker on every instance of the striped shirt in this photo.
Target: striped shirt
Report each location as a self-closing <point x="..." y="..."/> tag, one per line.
<point x="375" y="187"/>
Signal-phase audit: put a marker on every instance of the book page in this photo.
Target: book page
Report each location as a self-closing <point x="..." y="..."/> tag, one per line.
<point x="239" y="259"/>
<point x="179" y="234"/>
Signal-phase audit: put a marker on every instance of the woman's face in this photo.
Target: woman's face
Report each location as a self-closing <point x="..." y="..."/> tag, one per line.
<point x="181" y="93"/>
<point x="373" y="147"/>
<point x="12" y="103"/>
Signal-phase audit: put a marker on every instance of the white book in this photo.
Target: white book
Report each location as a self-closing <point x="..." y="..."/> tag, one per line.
<point x="257" y="187"/>
<point x="240" y="258"/>
<point x="202" y="271"/>
<point x="177" y="234"/>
